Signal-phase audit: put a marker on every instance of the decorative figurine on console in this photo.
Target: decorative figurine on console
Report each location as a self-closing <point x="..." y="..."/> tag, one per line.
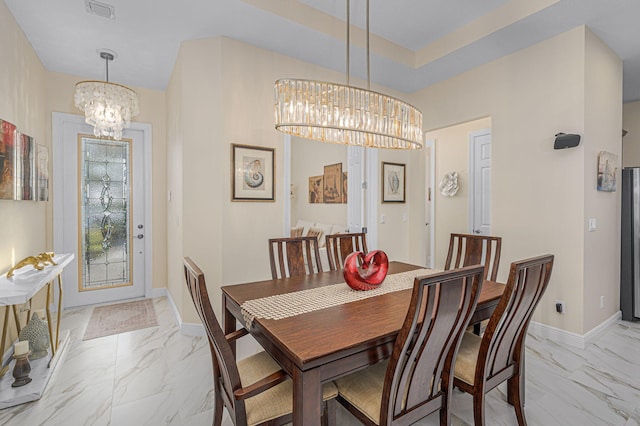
<point x="39" y="262"/>
<point x="374" y="267"/>
<point x="36" y="333"/>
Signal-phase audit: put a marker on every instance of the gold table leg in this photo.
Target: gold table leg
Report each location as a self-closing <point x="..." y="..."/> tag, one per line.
<point x="5" y="368"/>
<point x="59" y="310"/>
<point x="49" y="288"/>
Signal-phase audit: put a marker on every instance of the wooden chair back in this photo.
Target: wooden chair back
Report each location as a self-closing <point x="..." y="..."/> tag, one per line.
<point x="419" y="377"/>
<point x="294" y="256"/>
<point x="226" y="378"/>
<point x="339" y="246"/>
<point x="467" y="250"/>
<point x="502" y="344"/>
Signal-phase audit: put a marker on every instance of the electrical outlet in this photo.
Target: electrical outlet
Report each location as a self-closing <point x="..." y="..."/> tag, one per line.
<point x="560" y="308"/>
<point x="601" y="302"/>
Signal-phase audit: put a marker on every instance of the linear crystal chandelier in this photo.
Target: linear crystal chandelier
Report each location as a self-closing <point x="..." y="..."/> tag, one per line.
<point x="337" y="113"/>
<point x="108" y="107"/>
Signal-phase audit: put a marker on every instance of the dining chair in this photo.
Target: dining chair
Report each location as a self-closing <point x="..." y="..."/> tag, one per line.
<point x="417" y="380"/>
<point x="485" y="362"/>
<point x="468" y="249"/>
<point x="339" y="246"/>
<point x="255" y="390"/>
<point x="294" y="256"/>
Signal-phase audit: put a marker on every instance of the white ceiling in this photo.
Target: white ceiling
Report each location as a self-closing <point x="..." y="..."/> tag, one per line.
<point x="414" y="43"/>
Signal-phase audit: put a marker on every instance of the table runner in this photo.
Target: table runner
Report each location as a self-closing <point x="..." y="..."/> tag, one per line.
<point x="300" y="302"/>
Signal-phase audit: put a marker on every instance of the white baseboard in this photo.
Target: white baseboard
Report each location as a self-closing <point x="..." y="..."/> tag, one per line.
<point x="187" y="329"/>
<point x="567" y="337"/>
<point x="158" y="292"/>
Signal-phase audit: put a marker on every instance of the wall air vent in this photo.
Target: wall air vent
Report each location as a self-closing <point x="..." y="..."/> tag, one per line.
<point x="100" y="9"/>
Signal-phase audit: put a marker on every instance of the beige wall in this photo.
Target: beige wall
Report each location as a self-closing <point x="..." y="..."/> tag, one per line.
<point x="602" y="132"/>
<point x="631" y="142"/>
<point x="221" y="92"/>
<point x="22" y="85"/>
<point x="308" y="158"/>
<point x="452" y="155"/>
<point x="538" y="194"/>
<point x="175" y="273"/>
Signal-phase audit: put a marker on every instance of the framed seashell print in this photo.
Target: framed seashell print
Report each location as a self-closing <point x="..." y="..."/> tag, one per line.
<point x="252" y="173"/>
<point x="393" y="183"/>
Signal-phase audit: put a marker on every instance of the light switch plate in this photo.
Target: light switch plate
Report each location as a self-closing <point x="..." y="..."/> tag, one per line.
<point x="593" y="224"/>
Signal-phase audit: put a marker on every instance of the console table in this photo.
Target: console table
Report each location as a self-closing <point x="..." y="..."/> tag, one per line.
<point x="19" y="289"/>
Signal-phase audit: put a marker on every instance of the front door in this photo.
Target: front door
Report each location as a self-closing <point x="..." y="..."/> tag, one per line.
<point x="480" y="191"/>
<point x="101" y="213"/>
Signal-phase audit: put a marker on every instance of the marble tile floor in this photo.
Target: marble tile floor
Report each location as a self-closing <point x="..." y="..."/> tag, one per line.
<point x="156" y="376"/>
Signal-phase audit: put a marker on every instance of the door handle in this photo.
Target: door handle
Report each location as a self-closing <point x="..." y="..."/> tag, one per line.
<point x="476" y="231"/>
<point x="140" y="236"/>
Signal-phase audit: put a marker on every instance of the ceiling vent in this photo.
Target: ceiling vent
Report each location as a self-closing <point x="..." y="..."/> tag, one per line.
<point x="100" y="9"/>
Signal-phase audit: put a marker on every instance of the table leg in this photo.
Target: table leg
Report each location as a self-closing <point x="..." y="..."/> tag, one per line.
<point x="5" y="326"/>
<point x="16" y="318"/>
<point x="307" y="397"/>
<point x="59" y="310"/>
<point x="48" y="309"/>
<point x="228" y="323"/>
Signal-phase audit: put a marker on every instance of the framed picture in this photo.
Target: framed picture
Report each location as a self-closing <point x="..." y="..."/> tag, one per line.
<point x="8" y="136"/>
<point x="252" y="173"/>
<point x="333" y="184"/>
<point x="315" y="189"/>
<point x="345" y="187"/>
<point x="607" y="168"/>
<point x="24" y="174"/>
<point x="42" y="173"/>
<point x="393" y="183"/>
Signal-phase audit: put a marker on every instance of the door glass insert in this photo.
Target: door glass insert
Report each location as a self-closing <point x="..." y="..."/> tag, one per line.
<point x="105" y="213"/>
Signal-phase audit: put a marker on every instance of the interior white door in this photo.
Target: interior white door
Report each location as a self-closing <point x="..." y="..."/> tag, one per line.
<point x="480" y="172"/>
<point x="100" y="212"/>
<point x="429" y="216"/>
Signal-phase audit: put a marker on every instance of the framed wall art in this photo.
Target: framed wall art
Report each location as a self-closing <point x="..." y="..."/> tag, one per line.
<point x="42" y="173"/>
<point x="333" y="184"/>
<point x="8" y="135"/>
<point x="252" y="173"/>
<point x="607" y="167"/>
<point x="315" y="189"/>
<point x="393" y="183"/>
<point x="25" y="168"/>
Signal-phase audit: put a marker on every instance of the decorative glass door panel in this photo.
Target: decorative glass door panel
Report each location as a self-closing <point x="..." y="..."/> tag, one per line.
<point x="105" y="231"/>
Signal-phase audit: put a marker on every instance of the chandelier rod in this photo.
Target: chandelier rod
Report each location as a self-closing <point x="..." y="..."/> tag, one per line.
<point x="107" y="57"/>
<point x="348" y="39"/>
<point x="368" y="58"/>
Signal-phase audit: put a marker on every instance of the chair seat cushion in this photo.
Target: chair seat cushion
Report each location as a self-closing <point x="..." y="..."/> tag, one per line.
<point x="274" y="402"/>
<point x="467" y="358"/>
<point x="363" y="389"/>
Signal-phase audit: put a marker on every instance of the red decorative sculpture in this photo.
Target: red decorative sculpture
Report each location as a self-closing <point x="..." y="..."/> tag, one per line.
<point x="372" y="272"/>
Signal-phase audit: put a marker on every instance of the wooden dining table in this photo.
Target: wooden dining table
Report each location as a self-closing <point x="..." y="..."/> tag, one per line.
<point x="322" y="345"/>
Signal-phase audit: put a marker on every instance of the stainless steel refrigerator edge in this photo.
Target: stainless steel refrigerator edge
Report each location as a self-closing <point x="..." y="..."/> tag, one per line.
<point x="630" y="245"/>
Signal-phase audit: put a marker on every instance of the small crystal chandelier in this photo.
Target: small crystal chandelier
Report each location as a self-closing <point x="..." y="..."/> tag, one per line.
<point x="108" y="107"/>
<point x="330" y="112"/>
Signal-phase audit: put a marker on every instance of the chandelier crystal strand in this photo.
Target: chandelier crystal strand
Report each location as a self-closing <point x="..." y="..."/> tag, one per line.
<point x="336" y="113"/>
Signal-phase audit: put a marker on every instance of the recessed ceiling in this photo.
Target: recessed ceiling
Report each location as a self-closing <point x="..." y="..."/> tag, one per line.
<point x="414" y="43"/>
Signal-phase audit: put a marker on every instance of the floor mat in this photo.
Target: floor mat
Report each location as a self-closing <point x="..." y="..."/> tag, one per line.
<point x="120" y="318"/>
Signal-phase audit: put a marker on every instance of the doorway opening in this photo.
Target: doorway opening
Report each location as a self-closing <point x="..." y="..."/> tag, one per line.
<point x="101" y="211"/>
<point x="453" y="213"/>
